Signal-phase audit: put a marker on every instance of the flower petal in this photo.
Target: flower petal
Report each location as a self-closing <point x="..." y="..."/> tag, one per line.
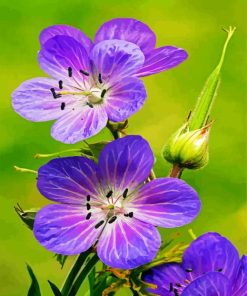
<point x="165" y="202"/>
<point x="61" y="52"/>
<point x="33" y="100"/>
<point x="79" y="124"/>
<point x="165" y="277"/>
<point x="66" y="30"/>
<point x="162" y="59"/>
<point x="64" y="229"/>
<point x="127" y="29"/>
<point x="116" y="59"/>
<point x="125" y="163"/>
<point x="126" y="97"/>
<point x="240" y="281"/>
<point x="68" y="180"/>
<point x="211" y="284"/>
<point x="128" y="243"/>
<point x="211" y="252"/>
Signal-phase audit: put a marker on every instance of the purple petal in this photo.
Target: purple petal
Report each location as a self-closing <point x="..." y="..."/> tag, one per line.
<point x="116" y="59"/>
<point x="65" y="30"/>
<point x="33" y="100"/>
<point x="162" y="59"/>
<point x="61" y="52"/>
<point x="165" y="277"/>
<point x="126" y="97"/>
<point x="165" y="202"/>
<point x="240" y="281"/>
<point x="127" y="29"/>
<point x="64" y="229"/>
<point x="125" y="163"/>
<point x="79" y="124"/>
<point x="128" y="244"/>
<point x="211" y="284"/>
<point x="211" y="252"/>
<point x="68" y="180"/>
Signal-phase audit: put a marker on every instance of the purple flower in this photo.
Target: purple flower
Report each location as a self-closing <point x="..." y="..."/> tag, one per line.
<point x="92" y="82"/>
<point x="210" y="267"/>
<point x="110" y="204"/>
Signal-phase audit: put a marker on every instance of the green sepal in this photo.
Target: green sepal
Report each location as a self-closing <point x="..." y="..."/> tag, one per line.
<point x="55" y="290"/>
<point x="34" y="289"/>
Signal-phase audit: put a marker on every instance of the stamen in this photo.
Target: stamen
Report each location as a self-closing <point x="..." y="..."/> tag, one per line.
<point x="103" y="93"/>
<point x="131" y="214"/>
<point x="171" y="287"/>
<point x="55" y="95"/>
<point x="88" y="198"/>
<point x="126" y="215"/>
<point x="220" y="269"/>
<point x="178" y="285"/>
<point x="176" y="292"/>
<point x="100" y="78"/>
<point x="70" y="72"/>
<point x="99" y="224"/>
<point x="90" y="105"/>
<point x="88" y="216"/>
<point x="88" y="206"/>
<point x="62" y="106"/>
<point x="125" y="193"/>
<point x="84" y="72"/>
<point x="188" y="270"/>
<point x="109" y="194"/>
<point x="60" y="83"/>
<point x="112" y="219"/>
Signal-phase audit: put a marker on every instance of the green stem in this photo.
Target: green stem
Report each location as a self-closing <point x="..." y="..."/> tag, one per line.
<point x="83" y="151"/>
<point x="24" y="170"/>
<point x="176" y="171"/>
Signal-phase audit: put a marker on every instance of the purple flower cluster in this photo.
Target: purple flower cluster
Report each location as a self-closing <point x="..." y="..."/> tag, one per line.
<point x="92" y="82"/>
<point x="210" y="267"/>
<point x="110" y="205"/>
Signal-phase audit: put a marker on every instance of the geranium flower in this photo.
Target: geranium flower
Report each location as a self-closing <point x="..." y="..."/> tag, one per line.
<point x="92" y="83"/>
<point x="110" y="203"/>
<point x="210" y="267"/>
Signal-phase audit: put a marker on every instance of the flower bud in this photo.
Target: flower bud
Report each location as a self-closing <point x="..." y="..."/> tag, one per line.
<point x="188" y="149"/>
<point x="27" y="216"/>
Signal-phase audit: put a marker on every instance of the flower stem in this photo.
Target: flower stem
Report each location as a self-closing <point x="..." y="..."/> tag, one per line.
<point x="176" y="171"/>
<point x="24" y="170"/>
<point x="82" y="151"/>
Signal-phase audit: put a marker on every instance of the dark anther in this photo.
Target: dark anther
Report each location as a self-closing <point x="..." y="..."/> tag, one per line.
<point x="100" y="78"/>
<point x="176" y="292"/>
<point x="126" y="215"/>
<point x="99" y="224"/>
<point x="70" y="72"/>
<point x="103" y="93"/>
<point x="88" y="198"/>
<point x="131" y="214"/>
<point x="88" y="206"/>
<point x="178" y="285"/>
<point x="171" y="287"/>
<point x="88" y="216"/>
<point x="62" y="106"/>
<point x="188" y="270"/>
<point x="60" y="83"/>
<point x="84" y="72"/>
<point x="125" y="193"/>
<point x="220" y="269"/>
<point x="112" y="219"/>
<point x="90" y="105"/>
<point x="109" y="194"/>
<point x="55" y="95"/>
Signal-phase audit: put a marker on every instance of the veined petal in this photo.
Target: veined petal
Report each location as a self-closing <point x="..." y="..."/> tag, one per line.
<point x="125" y="163"/>
<point x="65" y="30"/>
<point x="127" y="29"/>
<point x="116" y="59"/>
<point x="33" y="100"/>
<point x="64" y="229"/>
<point x="166" y="277"/>
<point x="240" y="281"/>
<point x="68" y="180"/>
<point x="210" y="284"/>
<point x="162" y="59"/>
<point x="211" y="252"/>
<point x="165" y="202"/>
<point x="128" y="243"/>
<point x="79" y="124"/>
<point x="60" y="53"/>
<point x="125" y="98"/>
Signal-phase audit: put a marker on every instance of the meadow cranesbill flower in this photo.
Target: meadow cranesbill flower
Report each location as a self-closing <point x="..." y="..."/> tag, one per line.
<point x="111" y="204"/>
<point x="210" y="267"/>
<point x="92" y="82"/>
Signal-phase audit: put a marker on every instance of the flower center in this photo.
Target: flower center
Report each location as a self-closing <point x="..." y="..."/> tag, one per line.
<point x="95" y="95"/>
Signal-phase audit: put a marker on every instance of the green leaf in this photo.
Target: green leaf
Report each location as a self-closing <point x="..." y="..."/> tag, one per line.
<point x="34" y="289"/>
<point x="27" y="216"/>
<point x="96" y="148"/>
<point x="91" y="280"/>
<point x="61" y="259"/>
<point x="55" y="289"/>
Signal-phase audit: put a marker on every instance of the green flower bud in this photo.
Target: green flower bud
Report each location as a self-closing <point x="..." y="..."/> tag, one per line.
<point x="27" y="216"/>
<point x="188" y="149"/>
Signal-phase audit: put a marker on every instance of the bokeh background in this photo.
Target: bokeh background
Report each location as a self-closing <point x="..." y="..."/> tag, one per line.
<point x="191" y="24"/>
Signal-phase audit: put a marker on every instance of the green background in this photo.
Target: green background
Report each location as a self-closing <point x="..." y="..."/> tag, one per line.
<point x="194" y="25"/>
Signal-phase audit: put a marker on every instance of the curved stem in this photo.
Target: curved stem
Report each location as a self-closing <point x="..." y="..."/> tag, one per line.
<point x="176" y="171"/>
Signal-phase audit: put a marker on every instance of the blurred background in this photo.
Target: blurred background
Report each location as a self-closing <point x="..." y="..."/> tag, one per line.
<point x="191" y="24"/>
